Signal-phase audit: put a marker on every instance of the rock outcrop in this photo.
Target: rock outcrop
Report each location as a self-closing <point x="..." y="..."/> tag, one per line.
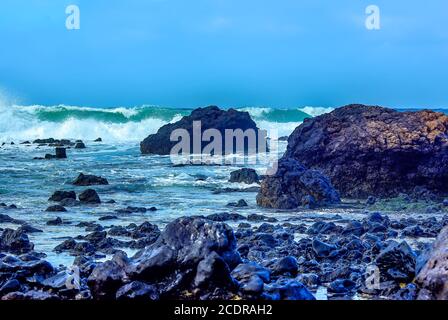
<point x="368" y="150"/>
<point x="191" y="253"/>
<point x="293" y="186"/>
<point x="433" y="278"/>
<point x="211" y="118"/>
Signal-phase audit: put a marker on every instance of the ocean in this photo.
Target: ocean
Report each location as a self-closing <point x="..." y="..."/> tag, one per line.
<point x="134" y="180"/>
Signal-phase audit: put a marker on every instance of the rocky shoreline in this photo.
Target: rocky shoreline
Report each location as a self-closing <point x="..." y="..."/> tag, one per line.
<point x="385" y="249"/>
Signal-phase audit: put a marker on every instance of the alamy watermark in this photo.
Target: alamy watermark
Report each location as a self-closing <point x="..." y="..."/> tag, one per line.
<point x="373" y="20"/>
<point x="225" y="147"/>
<point x="73" y="20"/>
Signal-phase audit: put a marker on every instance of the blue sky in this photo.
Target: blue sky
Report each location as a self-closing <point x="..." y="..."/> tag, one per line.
<point x="279" y="53"/>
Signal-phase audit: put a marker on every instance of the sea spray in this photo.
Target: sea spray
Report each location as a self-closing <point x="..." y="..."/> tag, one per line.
<point x="120" y="124"/>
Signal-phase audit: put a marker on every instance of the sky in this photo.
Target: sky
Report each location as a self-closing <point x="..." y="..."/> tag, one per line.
<point x="277" y="53"/>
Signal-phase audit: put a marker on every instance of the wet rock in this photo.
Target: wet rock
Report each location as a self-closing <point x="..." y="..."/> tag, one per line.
<point x="54" y="222"/>
<point x="251" y="277"/>
<point x="60" y="153"/>
<point x="108" y="217"/>
<point x="7" y="219"/>
<point x="291" y="183"/>
<point x="311" y="280"/>
<point x="245" y="175"/>
<point x="240" y="204"/>
<point x="61" y="195"/>
<point x="89" y="196"/>
<point x="322" y="249"/>
<point x="98" y="140"/>
<point x="15" y="241"/>
<point x="31" y="295"/>
<point x="56" y="208"/>
<point x="259" y="217"/>
<point x="287" y="265"/>
<point x="225" y="216"/>
<point x="413" y="231"/>
<point x="397" y="262"/>
<point x="69" y="202"/>
<point x="213" y="271"/>
<point x="322" y="227"/>
<point x="80" y="145"/>
<point x="26" y="228"/>
<point x="211" y="118"/>
<point x="106" y="279"/>
<point x="362" y="149"/>
<point x="137" y="290"/>
<point x="433" y="277"/>
<point x="89" y="180"/>
<point x="288" y="290"/>
<point x="130" y="210"/>
<point x="353" y="227"/>
<point x="341" y="286"/>
<point x="10" y="286"/>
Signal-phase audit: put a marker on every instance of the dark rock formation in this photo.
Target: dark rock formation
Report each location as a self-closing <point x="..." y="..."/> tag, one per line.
<point x="89" y="196"/>
<point x="56" y="208"/>
<point x="211" y="118"/>
<point x="61" y="195"/>
<point x="397" y="262"/>
<point x="245" y="175"/>
<point x="368" y="150"/>
<point x="15" y="241"/>
<point x="191" y="253"/>
<point x="433" y="278"/>
<point x="293" y="186"/>
<point x="89" y="180"/>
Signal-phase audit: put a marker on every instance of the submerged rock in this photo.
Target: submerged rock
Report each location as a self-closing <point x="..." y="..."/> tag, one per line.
<point x="292" y="185"/>
<point x="89" y="180"/>
<point x="61" y="195"/>
<point x="367" y="150"/>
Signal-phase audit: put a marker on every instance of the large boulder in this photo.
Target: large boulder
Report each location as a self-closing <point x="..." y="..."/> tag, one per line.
<point x="293" y="186"/>
<point x="433" y="278"/>
<point x="15" y="241"/>
<point x="211" y="118"/>
<point x="193" y="254"/>
<point x="369" y="150"/>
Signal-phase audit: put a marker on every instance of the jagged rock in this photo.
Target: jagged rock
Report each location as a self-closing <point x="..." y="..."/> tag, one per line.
<point x="107" y="278"/>
<point x="137" y="290"/>
<point x="15" y="241"/>
<point x="368" y="150"/>
<point x="89" y="180"/>
<point x="433" y="278"/>
<point x="211" y="118"/>
<point x="397" y="262"/>
<point x="289" y="187"/>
